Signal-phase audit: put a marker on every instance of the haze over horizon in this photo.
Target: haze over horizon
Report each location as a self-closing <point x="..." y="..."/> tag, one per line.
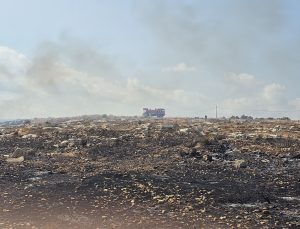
<point x="69" y="58"/>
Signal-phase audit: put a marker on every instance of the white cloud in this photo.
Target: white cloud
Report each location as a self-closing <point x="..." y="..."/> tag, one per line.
<point x="12" y="63"/>
<point x="273" y="92"/>
<point x="240" y="78"/>
<point x="181" y="67"/>
<point x="13" y="68"/>
<point x="266" y="101"/>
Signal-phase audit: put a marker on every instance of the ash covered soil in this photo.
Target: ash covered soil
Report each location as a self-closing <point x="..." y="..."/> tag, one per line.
<point x="142" y="173"/>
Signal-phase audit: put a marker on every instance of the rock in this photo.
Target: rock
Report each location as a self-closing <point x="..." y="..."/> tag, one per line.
<point x="183" y="154"/>
<point x="207" y="158"/>
<point x="27" y="154"/>
<point x="296" y="156"/>
<point x="22" y="132"/>
<point x="18" y="153"/>
<point x="212" y="129"/>
<point x="265" y="211"/>
<point x="184" y="130"/>
<point x="168" y="127"/>
<point x="239" y="164"/>
<point x="15" y="160"/>
<point x="285" y="160"/>
<point x="194" y="152"/>
<point x="188" y="208"/>
<point x="265" y="161"/>
<point x="84" y="142"/>
<point x="64" y="143"/>
<point x="29" y="136"/>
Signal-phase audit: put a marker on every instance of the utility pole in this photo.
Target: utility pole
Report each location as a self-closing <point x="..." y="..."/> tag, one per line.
<point x="216" y="111"/>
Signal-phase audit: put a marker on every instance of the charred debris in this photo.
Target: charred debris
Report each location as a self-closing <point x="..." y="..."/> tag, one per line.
<point x="110" y="172"/>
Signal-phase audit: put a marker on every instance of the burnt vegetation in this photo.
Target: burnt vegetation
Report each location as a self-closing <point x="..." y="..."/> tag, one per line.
<point x="150" y="173"/>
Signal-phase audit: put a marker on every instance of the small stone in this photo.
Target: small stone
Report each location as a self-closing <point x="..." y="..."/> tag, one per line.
<point x="266" y="211"/>
<point x="188" y="208"/>
<point x="207" y="158"/>
<point x="194" y="153"/>
<point x="64" y="143"/>
<point x="239" y="164"/>
<point x="15" y="160"/>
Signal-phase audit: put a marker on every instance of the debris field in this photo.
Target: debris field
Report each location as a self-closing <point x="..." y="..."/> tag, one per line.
<point x="150" y="173"/>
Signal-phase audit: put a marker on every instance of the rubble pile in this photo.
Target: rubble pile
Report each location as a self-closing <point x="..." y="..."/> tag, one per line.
<point x="150" y="173"/>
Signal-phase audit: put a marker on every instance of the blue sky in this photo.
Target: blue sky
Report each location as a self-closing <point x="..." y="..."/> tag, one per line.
<point x="64" y="58"/>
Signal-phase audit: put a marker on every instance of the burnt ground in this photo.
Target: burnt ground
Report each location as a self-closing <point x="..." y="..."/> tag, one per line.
<point x="172" y="173"/>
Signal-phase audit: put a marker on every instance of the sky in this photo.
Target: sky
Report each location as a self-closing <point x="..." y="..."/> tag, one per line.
<point x="75" y="57"/>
